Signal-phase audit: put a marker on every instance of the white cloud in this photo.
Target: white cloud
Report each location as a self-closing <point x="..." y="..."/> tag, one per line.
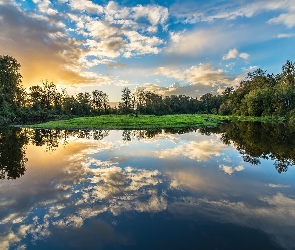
<point x="287" y="19"/>
<point x="250" y="68"/>
<point x="192" y="13"/>
<point x="230" y="170"/>
<point x="278" y="186"/>
<point x="244" y="55"/>
<point x="93" y="187"/>
<point x="234" y="53"/>
<point x="201" y="151"/>
<point x="154" y="13"/>
<point x="44" y="6"/>
<point x="86" y="5"/>
<point x="140" y="44"/>
<point x="285" y="35"/>
<point x="43" y="37"/>
<point x="205" y="74"/>
<point x="200" y="41"/>
<point x="118" y="33"/>
<point x="197" y="80"/>
<point x="112" y="6"/>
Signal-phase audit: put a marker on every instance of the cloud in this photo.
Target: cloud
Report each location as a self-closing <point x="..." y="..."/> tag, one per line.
<point x="244" y="55"/>
<point x="116" y="65"/>
<point x="230" y="170"/>
<point x="250" y="68"/>
<point x="201" y="151"/>
<point x="205" y="74"/>
<point x="287" y="19"/>
<point x="189" y="180"/>
<point x="193" y="90"/>
<point x="202" y="78"/>
<point x="92" y="187"/>
<point x="286" y="35"/>
<point x="46" y="42"/>
<point x="275" y="212"/>
<point x="154" y="13"/>
<point x="119" y="33"/>
<point x="233" y="53"/>
<point x="43" y="48"/>
<point x="278" y="186"/>
<point x="201" y="41"/>
<point x="193" y="13"/>
<point x="86" y="5"/>
<point x="44" y="6"/>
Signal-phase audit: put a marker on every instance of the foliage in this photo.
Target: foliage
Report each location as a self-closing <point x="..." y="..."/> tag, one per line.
<point x="12" y="143"/>
<point x="256" y="141"/>
<point x="11" y="91"/>
<point x="259" y="94"/>
<point x="263" y="95"/>
<point x="127" y="104"/>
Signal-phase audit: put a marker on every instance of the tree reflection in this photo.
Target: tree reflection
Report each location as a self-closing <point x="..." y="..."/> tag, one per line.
<point x="257" y="141"/>
<point x="52" y="138"/>
<point x="12" y="152"/>
<point x="13" y="142"/>
<point x="254" y="141"/>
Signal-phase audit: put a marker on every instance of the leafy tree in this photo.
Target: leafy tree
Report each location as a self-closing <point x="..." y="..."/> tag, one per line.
<point x="127" y="104"/>
<point x="84" y="103"/>
<point x="36" y="97"/>
<point x="10" y="85"/>
<point x="288" y="74"/>
<point x="99" y="102"/>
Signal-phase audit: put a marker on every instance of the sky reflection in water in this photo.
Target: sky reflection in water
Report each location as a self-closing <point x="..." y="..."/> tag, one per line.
<point x="143" y="191"/>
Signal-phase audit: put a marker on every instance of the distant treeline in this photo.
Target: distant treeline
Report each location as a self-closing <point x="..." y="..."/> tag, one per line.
<point x="260" y="94"/>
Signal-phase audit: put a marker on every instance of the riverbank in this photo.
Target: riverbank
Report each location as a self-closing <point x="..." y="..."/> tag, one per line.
<point x="147" y="121"/>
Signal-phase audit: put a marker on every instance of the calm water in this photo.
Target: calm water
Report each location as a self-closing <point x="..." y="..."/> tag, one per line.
<point x="230" y="187"/>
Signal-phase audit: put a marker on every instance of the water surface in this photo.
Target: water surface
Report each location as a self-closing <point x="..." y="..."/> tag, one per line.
<point x="231" y="187"/>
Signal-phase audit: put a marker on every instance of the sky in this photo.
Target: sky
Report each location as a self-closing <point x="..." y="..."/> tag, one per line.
<point x="168" y="47"/>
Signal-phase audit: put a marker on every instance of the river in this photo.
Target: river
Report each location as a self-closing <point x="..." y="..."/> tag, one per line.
<point x="230" y="187"/>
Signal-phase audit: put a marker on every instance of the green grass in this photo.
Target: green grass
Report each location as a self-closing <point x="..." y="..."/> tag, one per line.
<point x="131" y="122"/>
<point x="146" y="121"/>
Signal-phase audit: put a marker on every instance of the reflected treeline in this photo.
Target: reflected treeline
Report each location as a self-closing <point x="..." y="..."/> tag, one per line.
<point x="128" y="135"/>
<point x="13" y="143"/>
<point x="257" y="141"/>
<point x="254" y="141"/>
<point x="54" y="138"/>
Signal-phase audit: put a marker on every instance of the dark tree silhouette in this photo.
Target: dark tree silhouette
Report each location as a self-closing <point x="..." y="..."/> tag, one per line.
<point x="13" y="143"/>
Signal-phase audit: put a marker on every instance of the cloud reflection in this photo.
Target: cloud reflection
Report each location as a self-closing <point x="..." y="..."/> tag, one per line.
<point x="76" y="184"/>
<point x="201" y="151"/>
<point x="230" y="170"/>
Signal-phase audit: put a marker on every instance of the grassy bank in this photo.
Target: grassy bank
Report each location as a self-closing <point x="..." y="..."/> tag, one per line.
<point x="132" y="122"/>
<point x="147" y="121"/>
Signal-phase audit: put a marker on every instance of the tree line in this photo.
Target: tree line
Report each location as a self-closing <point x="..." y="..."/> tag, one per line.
<point x="260" y="94"/>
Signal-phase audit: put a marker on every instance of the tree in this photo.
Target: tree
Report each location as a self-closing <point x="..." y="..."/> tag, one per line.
<point x="84" y="103"/>
<point x="10" y="84"/>
<point x="35" y="97"/>
<point x="288" y="74"/>
<point x="127" y="103"/>
<point x="99" y="102"/>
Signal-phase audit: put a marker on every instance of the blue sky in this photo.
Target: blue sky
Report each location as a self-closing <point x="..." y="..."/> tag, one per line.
<point x="169" y="47"/>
